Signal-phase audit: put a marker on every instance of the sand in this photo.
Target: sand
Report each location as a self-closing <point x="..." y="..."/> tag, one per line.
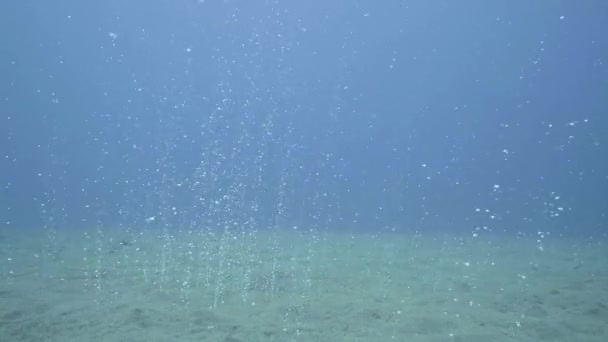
<point x="144" y="284"/>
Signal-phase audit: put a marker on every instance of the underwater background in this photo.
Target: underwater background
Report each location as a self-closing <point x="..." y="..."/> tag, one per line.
<point x="232" y="170"/>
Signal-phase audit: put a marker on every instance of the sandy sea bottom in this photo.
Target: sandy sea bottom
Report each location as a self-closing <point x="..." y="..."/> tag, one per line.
<point x="106" y="284"/>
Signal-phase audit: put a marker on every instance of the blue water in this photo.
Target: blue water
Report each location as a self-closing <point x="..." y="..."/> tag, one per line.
<point x="365" y="115"/>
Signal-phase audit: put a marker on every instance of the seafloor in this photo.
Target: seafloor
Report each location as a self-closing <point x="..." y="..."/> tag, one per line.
<point x="150" y="285"/>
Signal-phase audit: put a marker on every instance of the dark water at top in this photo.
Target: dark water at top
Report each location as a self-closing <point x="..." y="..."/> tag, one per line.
<point x="367" y="115"/>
